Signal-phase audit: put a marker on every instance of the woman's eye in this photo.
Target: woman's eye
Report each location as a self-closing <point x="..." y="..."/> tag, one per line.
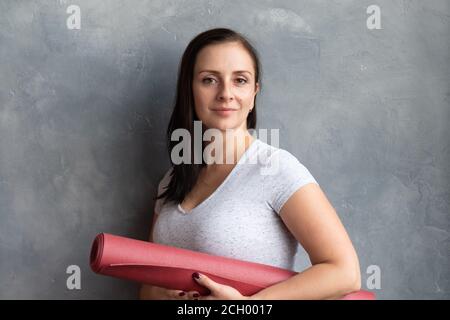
<point x="207" y="80"/>
<point x="212" y="80"/>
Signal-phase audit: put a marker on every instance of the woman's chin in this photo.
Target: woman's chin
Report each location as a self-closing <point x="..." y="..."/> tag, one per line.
<point x="223" y="124"/>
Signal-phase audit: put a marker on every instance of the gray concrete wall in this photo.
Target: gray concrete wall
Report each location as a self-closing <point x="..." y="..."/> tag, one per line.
<point x="83" y="115"/>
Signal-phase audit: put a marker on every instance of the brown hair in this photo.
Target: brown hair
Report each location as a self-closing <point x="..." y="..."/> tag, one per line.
<point x="184" y="176"/>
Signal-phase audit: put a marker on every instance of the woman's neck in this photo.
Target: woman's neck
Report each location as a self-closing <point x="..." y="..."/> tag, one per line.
<point x="231" y="149"/>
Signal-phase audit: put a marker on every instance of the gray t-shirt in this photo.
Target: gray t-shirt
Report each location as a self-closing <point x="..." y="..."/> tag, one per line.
<point x="240" y="219"/>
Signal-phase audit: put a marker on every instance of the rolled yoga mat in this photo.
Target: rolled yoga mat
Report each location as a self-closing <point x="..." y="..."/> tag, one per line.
<point x="172" y="268"/>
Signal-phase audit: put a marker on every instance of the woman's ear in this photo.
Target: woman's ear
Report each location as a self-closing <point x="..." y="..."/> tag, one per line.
<point x="257" y="87"/>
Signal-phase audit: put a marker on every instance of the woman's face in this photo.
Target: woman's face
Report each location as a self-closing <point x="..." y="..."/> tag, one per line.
<point x="224" y="78"/>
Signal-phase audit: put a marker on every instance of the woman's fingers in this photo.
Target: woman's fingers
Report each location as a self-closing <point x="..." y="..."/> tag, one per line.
<point x="193" y="295"/>
<point x="178" y="295"/>
<point x="181" y="295"/>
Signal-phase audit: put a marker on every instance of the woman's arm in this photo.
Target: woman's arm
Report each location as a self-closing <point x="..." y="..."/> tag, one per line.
<point x="335" y="267"/>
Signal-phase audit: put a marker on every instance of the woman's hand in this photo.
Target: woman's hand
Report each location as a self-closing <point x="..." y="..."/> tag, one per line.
<point x="218" y="291"/>
<point x="157" y="293"/>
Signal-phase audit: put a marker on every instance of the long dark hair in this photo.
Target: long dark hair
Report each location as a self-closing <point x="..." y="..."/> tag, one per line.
<point x="184" y="176"/>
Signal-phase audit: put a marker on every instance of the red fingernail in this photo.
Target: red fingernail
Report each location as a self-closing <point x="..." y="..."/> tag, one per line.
<point x="195" y="295"/>
<point x="181" y="294"/>
<point x="196" y="275"/>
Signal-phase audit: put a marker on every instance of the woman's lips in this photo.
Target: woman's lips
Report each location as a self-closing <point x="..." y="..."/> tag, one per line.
<point x="224" y="111"/>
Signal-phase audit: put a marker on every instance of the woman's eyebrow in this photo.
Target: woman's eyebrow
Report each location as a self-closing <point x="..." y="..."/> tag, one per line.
<point x="217" y="72"/>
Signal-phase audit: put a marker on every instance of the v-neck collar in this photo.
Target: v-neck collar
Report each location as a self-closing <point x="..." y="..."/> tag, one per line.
<point x="243" y="158"/>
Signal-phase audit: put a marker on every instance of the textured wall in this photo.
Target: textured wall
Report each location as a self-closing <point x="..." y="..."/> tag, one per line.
<point x="83" y="115"/>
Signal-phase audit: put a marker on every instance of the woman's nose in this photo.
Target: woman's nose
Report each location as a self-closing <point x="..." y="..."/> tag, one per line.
<point x="225" y="92"/>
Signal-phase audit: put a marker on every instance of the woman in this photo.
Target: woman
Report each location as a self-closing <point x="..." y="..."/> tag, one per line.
<point x="236" y="209"/>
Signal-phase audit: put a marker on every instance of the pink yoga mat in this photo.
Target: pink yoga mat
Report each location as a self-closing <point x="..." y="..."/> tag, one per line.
<point x="172" y="267"/>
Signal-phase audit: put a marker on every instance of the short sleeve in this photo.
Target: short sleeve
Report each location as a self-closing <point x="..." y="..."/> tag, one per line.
<point x="164" y="182"/>
<point x="285" y="176"/>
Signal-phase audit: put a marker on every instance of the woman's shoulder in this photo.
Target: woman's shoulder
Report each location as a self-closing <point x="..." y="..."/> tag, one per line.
<point x="283" y="174"/>
<point x="162" y="186"/>
<point x="165" y="180"/>
<point x="270" y="155"/>
<point x="282" y="164"/>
